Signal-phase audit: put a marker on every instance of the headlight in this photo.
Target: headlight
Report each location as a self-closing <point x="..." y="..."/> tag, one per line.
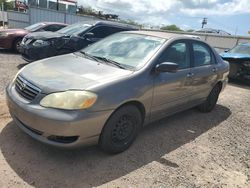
<point x="69" y="100"/>
<point x="3" y="34"/>
<point x="41" y="43"/>
<point x="247" y="63"/>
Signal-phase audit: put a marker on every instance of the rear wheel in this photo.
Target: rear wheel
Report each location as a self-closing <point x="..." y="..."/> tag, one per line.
<point x="16" y="44"/>
<point x="121" y="129"/>
<point x="211" y="100"/>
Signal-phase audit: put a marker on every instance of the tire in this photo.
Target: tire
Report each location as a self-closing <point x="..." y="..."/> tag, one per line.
<point x="211" y="100"/>
<point x="121" y="129"/>
<point x="16" y="44"/>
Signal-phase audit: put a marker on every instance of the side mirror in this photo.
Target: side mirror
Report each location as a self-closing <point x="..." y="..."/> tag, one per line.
<point x="167" y="67"/>
<point x="226" y="50"/>
<point x="89" y="35"/>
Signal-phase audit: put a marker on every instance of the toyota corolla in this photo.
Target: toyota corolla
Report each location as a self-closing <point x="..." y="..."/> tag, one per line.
<point x="105" y="93"/>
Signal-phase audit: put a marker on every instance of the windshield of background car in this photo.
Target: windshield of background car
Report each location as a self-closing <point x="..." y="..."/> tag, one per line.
<point x="130" y="50"/>
<point x="241" y="49"/>
<point x="74" y="29"/>
<point x="34" y="27"/>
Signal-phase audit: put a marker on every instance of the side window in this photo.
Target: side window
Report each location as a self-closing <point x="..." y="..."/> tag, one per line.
<point x="202" y="55"/>
<point x="177" y="53"/>
<point x="53" y="27"/>
<point x="104" y="31"/>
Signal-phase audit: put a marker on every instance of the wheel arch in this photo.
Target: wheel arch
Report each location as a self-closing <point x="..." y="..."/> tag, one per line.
<point x="138" y="105"/>
<point x="14" y="41"/>
<point x="220" y="84"/>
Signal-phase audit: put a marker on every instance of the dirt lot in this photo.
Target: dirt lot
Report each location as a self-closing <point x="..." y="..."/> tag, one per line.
<point x="189" y="149"/>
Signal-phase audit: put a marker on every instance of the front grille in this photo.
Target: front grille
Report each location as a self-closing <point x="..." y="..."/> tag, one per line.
<point x="26" y="89"/>
<point x="24" y="40"/>
<point x="27" y="40"/>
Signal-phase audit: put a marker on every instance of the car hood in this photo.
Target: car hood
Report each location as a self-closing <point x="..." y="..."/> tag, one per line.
<point x="44" y="35"/>
<point x="70" y="71"/>
<point x="235" y="55"/>
<point x="23" y="31"/>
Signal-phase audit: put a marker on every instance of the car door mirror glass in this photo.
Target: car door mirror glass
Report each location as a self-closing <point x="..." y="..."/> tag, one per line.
<point x="167" y="67"/>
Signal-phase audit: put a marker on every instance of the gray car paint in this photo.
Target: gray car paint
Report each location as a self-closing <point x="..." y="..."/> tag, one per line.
<point x="159" y="94"/>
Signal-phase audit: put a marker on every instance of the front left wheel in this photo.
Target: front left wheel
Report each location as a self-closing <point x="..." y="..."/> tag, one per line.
<point x="121" y="129"/>
<point x="16" y="44"/>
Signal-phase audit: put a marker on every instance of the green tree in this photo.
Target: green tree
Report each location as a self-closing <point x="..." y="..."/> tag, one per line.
<point x="190" y="30"/>
<point x="171" y="28"/>
<point x="7" y="5"/>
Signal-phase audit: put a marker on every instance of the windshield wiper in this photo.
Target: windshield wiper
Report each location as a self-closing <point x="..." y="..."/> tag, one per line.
<point x="89" y="56"/>
<point x="111" y="62"/>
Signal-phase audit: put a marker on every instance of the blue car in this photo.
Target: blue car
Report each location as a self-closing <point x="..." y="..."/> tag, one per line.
<point x="239" y="59"/>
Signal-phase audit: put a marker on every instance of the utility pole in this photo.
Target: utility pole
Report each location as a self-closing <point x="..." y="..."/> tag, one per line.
<point x="3" y="14"/>
<point x="204" y="22"/>
<point x="57" y="5"/>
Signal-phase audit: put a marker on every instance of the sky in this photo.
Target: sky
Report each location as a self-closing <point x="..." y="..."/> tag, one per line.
<point x="232" y="16"/>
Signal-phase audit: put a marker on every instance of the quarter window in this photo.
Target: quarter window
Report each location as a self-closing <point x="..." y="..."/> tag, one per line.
<point x="103" y="31"/>
<point x="202" y="55"/>
<point x="177" y="53"/>
<point x="53" y="27"/>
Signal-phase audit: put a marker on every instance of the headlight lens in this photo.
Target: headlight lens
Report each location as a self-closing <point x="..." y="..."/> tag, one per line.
<point x="247" y="63"/>
<point x="41" y="43"/>
<point x="69" y="100"/>
<point x="3" y="34"/>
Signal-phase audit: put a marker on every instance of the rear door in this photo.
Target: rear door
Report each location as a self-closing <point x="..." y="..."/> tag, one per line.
<point x="172" y="91"/>
<point x="204" y="69"/>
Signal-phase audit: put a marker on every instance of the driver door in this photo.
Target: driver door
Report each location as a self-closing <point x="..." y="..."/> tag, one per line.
<point x="172" y="91"/>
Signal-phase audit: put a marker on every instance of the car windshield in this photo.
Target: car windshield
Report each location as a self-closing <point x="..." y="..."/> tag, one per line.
<point x="241" y="49"/>
<point x="34" y="27"/>
<point x="74" y="29"/>
<point x="129" y="50"/>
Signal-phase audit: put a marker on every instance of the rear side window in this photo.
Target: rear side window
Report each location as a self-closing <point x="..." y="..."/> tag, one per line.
<point x="53" y="27"/>
<point x="177" y="53"/>
<point x="104" y="31"/>
<point x="202" y="55"/>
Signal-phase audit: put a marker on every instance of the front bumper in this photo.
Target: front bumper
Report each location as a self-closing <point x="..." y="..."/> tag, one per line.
<point x="31" y="53"/>
<point x="56" y="127"/>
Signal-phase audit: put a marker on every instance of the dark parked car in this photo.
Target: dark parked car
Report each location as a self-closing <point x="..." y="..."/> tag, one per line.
<point x="106" y="92"/>
<point x="11" y="38"/>
<point x="41" y="45"/>
<point x="239" y="59"/>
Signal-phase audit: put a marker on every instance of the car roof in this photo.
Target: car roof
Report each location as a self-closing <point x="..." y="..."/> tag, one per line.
<point x="110" y="23"/>
<point x="164" y="35"/>
<point x="52" y="23"/>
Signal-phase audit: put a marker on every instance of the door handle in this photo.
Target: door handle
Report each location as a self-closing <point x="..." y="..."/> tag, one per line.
<point x="190" y="75"/>
<point x="214" y="69"/>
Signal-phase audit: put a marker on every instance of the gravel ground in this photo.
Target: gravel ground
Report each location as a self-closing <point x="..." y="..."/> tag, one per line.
<point x="189" y="149"/>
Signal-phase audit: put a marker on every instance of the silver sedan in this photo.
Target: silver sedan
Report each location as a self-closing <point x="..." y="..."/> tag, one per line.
<point x="106" y="92"/>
